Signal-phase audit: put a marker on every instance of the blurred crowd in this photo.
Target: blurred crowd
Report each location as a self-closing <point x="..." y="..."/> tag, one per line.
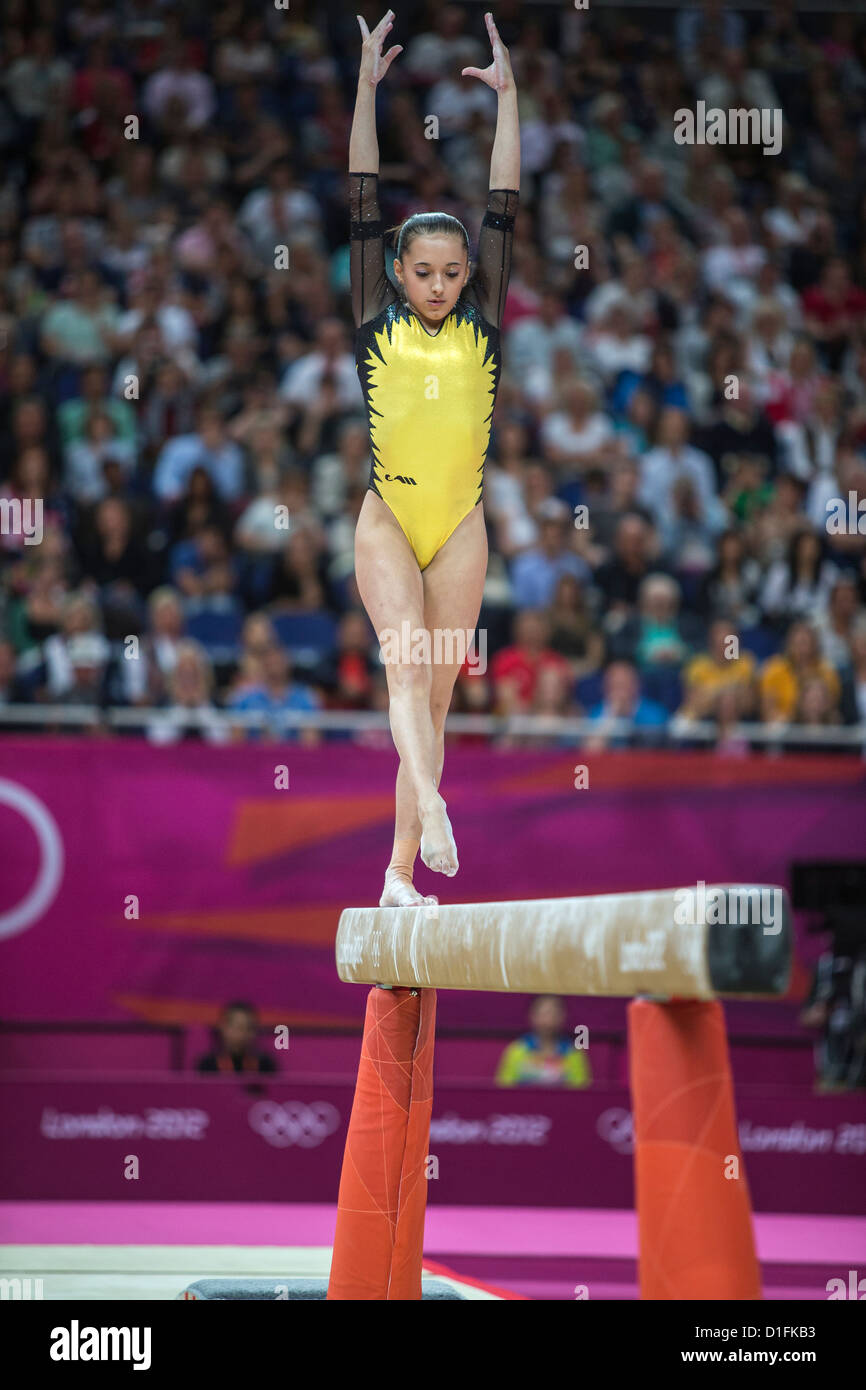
<point x="675" y="491"/>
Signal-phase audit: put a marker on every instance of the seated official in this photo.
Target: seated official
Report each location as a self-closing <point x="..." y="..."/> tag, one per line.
<point x="546" y="1055"/>
<point x="238" y="1028"/>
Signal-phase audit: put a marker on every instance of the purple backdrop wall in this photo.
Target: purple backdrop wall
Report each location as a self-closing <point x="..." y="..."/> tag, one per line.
<point x="239" y="886"/>
<point x="222" y="1140"/>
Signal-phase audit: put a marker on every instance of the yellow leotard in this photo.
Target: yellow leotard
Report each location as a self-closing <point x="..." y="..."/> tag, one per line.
<point x="429" y="396"/>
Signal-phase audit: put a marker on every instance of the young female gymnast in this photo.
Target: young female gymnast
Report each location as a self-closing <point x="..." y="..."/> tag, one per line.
<point x="429" y="362"/>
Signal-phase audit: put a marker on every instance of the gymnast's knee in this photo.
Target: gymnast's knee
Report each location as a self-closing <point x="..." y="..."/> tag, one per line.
<point x="409" y="680"/>
<point x="439" y="707"/>
<point x="438" y="715"/>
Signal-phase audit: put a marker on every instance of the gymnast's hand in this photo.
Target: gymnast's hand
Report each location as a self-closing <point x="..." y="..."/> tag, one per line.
<point x="499" y="75"/>
<point x="374" y="64"/>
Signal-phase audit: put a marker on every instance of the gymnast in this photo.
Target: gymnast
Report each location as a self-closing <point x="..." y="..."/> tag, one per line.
<point x="429" y="360"/>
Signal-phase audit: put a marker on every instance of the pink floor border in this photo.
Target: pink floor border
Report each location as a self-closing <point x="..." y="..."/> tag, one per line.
<point x="540" y="1231"/>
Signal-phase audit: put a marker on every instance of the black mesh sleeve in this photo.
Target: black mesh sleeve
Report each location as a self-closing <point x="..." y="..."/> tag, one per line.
<point x="372" y="291"/>
<point x="489" y="284"/>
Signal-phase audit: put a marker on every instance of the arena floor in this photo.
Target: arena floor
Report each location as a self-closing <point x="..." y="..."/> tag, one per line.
<point x="153" y="1250"/>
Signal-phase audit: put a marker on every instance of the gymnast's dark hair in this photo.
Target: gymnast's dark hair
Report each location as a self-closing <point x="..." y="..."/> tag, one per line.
<point x="427" y="224"/>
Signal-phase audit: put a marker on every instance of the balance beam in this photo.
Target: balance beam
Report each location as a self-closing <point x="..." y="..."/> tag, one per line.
<point x="696" y="943"/>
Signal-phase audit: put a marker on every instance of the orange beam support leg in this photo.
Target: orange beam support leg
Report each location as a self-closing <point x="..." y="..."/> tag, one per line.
<point x="693" y="1205"/>
<point x="379" y="1236"/>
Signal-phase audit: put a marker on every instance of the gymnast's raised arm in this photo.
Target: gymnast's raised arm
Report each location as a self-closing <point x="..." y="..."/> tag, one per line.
<point x="497" y="229"/>
<point x="371" y="288"/>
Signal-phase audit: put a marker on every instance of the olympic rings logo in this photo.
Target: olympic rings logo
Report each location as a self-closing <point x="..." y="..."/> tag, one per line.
<point x="50" y="872"/>
<point x="308" y="1126"/>
<point x="616" y="1127"/>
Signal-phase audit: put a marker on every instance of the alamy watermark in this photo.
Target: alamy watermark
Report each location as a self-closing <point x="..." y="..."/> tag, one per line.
<point x="22" y="516"/>
<point x="21" y="1288"/>
<point x="739" y="126"/>
<point x="441" y="646"/>
<point x="846" y="518"/>
<point x="77" y="1343"/>
<point x="721" y="906"/>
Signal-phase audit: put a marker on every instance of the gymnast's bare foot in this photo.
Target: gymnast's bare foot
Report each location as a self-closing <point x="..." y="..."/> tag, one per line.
<point x="399" y="891"/>
<point x="438" y="850"/>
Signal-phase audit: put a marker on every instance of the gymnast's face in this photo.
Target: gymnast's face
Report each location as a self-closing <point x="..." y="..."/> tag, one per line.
<point x="433" y="271"/>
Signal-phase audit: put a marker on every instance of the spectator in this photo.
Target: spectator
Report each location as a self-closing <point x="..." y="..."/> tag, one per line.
<point x="38" y="80"/>
<point x="209" y="448"/>
<point x="168" y="406"/>
<point x="791" y="218"/>
<point x="145" y="678"/>
<point x="817" y="706"/>
<point x="546" y="1055"/>
<point x="854" y="676"/>
<point x="190" y="713"/>
<point x="672" y="459"/>
<point x="157" y="322"/>
<point x="733" y="584"/>
<point x="203" y="565"/>
<point x="733" y="84"/>
<point x="534" y="339"/>
<point x="834" y="309"/>
<point x="783" y="678"/>
<point x="515" y="669"/>
<point x="721" y="668"/>
<point x="572" y="632"/>
<point x="330" y="361"/>
<point x="734" y="265"/>
<point x="799" y="586"/>
<point x="506" y="502"/>
<point x="622" y="701"/>
<point x="553" y="698"/>
<point x="279" y="212"/>
<point x="737" y="427"/>
<point x="273" y="692"/>
<point x="99" y="463"/>
<point x="113" y="555"/>
<point x="177" y="97"/>
<point x="780" y="518"/>
<point x="812" y="445"/>
<point x="656" y="635"/>
<point x="620" y="577"/>
<point x="687" y="538"/>
<point x="74" y="415"/>
<point x="333" y="473"/>
<point x="12" y="689"/>
<point x="639" y="213"/>
<point x="235" y="1049"/>
<point x="347" y="676"/>
<point x="617" y="499"/>
<point x="770" y="343"/>
<point x="615" y="344"/>
<point x="81" y="329"/>
<point x="536" y="572"/>
<point x="838" y="622"/>
<point x="299" y="582"/>
<point x="660" y="383"/>
<point x="439" y="49"/>
<point x="458" y="104"/>
<point x="579" y="436"/>
<point x="636" y="425"/>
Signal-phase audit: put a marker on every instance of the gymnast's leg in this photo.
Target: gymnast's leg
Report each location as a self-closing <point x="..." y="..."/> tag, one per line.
<point x="390" y="584"/>
<point x="453" y="585"/>
<point x="453" y="589"/>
